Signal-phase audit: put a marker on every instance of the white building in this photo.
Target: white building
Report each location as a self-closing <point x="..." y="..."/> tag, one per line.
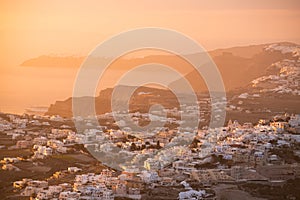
<point x="149" y="176"/>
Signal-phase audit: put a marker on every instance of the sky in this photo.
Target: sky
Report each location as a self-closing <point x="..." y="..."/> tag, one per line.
<point x="32" y="28"/>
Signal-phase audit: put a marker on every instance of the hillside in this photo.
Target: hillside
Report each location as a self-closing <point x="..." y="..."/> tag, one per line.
<point x="238" y="68"/>
<point x="259" y="84"/>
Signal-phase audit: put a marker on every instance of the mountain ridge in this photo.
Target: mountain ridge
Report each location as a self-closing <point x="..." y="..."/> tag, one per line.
<point x="254" y="85"/>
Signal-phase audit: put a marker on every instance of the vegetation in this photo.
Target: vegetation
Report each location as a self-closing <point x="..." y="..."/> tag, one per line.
<point x="290" y="190"/>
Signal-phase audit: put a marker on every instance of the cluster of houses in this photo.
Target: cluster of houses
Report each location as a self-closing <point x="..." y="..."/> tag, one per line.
<point x="286" y="81"/>
<point x="106" y="186"/>
<point x="103" y="186"/>
<point x="229" y="154"/>
<point x="35" y="134"/>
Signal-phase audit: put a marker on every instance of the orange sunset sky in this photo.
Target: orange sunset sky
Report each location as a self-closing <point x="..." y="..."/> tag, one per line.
<point x="32" y="28"/>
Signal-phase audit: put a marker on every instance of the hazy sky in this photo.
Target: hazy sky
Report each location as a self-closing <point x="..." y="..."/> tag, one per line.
<point x="32" y="28"/>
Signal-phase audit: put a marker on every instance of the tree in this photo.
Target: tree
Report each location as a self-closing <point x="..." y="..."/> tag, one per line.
<point x="133" y="147"/>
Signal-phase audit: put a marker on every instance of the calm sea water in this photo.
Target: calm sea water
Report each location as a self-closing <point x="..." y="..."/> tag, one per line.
<point x="24" y="87"/>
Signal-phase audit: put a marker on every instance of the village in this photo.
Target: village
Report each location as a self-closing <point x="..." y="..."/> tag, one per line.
<point x="265" y="153"/>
